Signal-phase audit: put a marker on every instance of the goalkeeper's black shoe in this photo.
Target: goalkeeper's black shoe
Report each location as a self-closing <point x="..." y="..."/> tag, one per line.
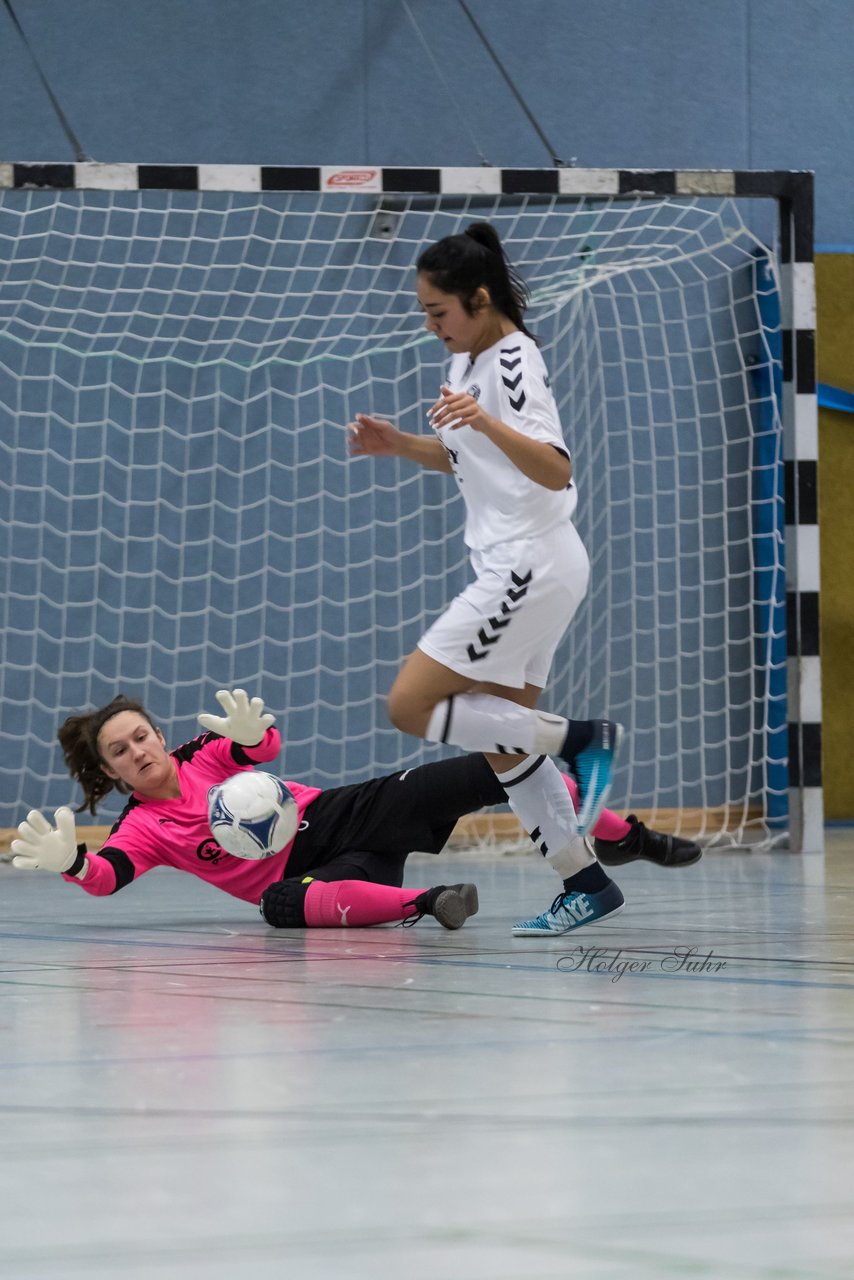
<point x="653" y="846"/>
<point x="451" y="905"/>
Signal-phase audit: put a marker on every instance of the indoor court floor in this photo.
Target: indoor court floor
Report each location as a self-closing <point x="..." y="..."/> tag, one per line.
<point x="187" y="1093"/>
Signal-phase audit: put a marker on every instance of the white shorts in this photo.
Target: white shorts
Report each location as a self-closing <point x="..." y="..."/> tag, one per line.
<point x="504" y="628"/>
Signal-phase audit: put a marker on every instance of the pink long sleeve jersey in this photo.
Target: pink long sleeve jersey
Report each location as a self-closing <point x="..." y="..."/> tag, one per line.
<point x="175" y="833"/>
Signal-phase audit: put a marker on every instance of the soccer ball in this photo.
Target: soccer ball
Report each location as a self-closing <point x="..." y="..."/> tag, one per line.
<point x="252" y="815"/>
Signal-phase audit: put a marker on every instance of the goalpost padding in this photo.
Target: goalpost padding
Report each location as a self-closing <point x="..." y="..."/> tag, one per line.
<point x="180" y="350"/>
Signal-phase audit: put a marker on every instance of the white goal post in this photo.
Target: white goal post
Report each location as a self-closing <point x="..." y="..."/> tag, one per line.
<point x="181" y="348"/>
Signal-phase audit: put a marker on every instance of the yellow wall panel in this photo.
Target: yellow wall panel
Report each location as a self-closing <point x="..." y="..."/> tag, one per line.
<point x="835" y="326"/>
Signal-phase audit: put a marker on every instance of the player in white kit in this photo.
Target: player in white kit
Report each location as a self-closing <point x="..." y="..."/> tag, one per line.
<point x="477" y="674"/>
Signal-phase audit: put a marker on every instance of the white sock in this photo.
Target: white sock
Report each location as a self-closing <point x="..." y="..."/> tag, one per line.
<point x="538" y="796"/>
<point x="482" y="722"/>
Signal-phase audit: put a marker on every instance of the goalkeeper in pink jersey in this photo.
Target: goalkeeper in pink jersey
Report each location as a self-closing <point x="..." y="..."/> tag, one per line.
<point x="344" y="866"/>
<point x="476" y="676"/>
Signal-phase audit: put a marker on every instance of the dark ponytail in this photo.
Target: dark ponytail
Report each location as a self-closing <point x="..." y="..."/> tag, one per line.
<point x="78" y="737"/>
<point x="474" y="259"/>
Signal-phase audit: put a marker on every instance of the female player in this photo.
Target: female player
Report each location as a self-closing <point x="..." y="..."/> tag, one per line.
<point x="329" y="878"/>
<point x="345" y="864"/>
<point x="477" y="674"/>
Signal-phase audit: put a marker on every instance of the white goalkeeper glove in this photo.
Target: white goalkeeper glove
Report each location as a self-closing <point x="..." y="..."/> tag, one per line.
<point x="40" y="845"/>
<point x="243" y="721"/>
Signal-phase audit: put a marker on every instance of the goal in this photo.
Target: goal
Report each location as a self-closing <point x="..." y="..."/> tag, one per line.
<point x="181" y="348"/>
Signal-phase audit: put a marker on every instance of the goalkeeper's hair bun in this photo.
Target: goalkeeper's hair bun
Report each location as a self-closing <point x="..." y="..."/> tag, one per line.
<point x="78" y="737"/>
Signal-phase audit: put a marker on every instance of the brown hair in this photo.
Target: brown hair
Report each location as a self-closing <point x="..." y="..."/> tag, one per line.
<point x="78" y="737"/>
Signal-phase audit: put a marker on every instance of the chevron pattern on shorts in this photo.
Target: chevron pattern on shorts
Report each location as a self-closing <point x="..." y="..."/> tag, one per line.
<point x="493" y="629"/>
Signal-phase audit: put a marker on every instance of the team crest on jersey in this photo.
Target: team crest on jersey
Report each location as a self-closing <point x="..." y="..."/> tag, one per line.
<point x="209" y="851"/>
<point x="473" y="391"/>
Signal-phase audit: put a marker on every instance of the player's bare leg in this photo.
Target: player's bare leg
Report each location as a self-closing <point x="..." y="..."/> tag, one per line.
<point x="432" y="701"/>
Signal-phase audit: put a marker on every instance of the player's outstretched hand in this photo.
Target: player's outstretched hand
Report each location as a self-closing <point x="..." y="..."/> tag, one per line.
<point x="373" y="437"/>
<point x="243" y="722"/>
<point x="40" y="845"/>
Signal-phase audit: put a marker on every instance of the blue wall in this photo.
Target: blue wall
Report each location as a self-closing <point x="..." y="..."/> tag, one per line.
<point x="634" y="83"/>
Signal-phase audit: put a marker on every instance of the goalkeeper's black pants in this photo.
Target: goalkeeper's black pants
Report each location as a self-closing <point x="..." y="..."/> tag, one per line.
<point x="366" y="831"/>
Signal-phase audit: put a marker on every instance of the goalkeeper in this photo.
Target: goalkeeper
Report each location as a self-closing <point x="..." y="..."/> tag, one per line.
<point x="344" y="866"/>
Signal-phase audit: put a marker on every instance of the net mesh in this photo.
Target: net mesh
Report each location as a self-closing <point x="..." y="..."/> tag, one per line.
<point x="178" y="512"/>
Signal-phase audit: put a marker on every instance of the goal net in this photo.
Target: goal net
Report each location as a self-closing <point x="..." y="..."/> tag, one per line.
<point x="179" y="514"/>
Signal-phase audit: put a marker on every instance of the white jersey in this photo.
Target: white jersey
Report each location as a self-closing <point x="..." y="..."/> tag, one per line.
<point x="510" y="382"/>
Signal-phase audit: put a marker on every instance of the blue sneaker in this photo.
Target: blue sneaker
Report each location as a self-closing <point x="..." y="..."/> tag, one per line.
<point x="571" y="911"/>
<point x="592" y="769"/>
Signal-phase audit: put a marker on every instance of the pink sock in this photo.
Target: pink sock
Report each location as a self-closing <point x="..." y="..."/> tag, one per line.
<point x="342" y="903"/>
<point x="610" y="826"/>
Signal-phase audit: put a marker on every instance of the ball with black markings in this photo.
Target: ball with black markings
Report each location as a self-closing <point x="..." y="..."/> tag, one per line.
<point x="252" y="815"/>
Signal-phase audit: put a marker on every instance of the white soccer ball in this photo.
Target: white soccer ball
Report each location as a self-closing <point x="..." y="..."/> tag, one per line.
<point x="252" y="815"/>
